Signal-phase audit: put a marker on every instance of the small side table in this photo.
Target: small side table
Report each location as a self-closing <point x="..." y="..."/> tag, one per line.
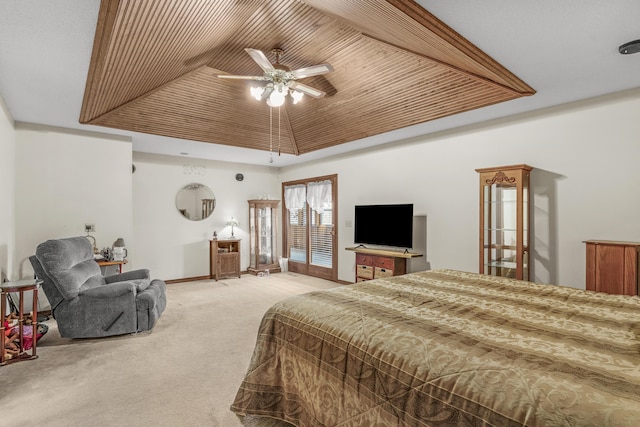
<point x="20" y="286"/>
<point x="108" y="263"/>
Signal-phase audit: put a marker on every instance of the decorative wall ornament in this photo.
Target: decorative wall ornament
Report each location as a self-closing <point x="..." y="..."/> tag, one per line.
<point x="188" y="169"/>
<point x="500" y="177"/>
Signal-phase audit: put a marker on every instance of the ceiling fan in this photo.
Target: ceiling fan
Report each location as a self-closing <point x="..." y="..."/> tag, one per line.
<point x="281" y="79"/>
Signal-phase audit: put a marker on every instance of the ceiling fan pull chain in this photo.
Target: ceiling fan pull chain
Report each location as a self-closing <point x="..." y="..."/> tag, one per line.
<point x="279" y="152"/>
<point x="270" y="134"/>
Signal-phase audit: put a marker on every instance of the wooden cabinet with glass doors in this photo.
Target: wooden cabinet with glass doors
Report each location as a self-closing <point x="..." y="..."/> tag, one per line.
<point x="504" y="221"/>
<point x="262" y="236"/>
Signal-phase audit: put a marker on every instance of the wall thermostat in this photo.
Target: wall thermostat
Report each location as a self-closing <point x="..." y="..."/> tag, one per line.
<point x="239" y="177"/>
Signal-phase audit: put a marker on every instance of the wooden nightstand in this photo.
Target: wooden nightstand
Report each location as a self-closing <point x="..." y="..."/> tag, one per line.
<point x="224" y="258"/>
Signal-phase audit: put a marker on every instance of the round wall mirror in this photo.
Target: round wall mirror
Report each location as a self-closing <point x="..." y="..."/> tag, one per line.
<point x="195" y="202"/>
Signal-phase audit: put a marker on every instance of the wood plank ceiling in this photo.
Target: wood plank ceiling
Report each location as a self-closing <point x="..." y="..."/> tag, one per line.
<point x="155" y="64"/>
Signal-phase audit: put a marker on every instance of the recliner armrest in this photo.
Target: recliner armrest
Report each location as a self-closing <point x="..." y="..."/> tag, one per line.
<point x="109" y="291"/>
<point x="142" y="273"/>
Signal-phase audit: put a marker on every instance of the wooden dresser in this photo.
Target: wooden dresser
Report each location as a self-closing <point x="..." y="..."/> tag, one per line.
<point x="374" y="264"/>
<point x="612" y="266"/>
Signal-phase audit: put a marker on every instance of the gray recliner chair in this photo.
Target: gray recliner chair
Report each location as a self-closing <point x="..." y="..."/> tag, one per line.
<point x="86" y="304"/>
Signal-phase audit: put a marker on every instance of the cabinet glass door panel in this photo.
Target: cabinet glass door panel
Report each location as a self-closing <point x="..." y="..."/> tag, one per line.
<point x="267" y="239"/>
<point x="252" y="238"/>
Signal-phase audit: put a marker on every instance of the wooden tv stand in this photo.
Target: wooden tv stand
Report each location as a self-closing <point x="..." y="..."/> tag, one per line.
<point x="377" y="263"/>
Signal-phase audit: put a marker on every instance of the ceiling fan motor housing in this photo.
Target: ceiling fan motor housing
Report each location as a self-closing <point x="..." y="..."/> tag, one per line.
<point x="279" y="52"/>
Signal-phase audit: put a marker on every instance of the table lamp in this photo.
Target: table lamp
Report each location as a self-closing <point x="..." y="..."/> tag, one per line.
<point x="118" y="250"/>
<point x="233" y="223"/>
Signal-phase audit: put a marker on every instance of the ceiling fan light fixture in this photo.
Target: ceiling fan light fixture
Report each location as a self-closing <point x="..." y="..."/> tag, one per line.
<point x="257" y="91"/>
<point x="276" y="99"/>
<point x="296" y="95"/>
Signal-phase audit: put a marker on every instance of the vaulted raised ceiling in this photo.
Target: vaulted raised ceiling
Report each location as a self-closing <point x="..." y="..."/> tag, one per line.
<point x="154" y="70"/>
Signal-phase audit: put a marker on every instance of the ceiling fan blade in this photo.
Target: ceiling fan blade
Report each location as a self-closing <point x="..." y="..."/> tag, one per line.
<point x="313" y="92"/>
<point x="260" y="59"/>
<point x="233" y="76"/>
<point x="314" y="70"/>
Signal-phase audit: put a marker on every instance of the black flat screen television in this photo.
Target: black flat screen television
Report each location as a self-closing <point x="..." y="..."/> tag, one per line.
<point x="384" y="225"/>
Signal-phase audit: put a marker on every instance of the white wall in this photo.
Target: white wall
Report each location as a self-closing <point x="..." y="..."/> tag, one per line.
<point x="585" y="184"/>
<point x="66" y="179"/>
<point x="173" y="247"/>
<point x="7" y="199"/>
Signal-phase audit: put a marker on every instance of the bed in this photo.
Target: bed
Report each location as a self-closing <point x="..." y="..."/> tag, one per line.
<point x="447" y="348"/>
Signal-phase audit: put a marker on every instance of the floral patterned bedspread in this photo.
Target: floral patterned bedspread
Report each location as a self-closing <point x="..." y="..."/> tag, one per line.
<point x="447" y="348"/>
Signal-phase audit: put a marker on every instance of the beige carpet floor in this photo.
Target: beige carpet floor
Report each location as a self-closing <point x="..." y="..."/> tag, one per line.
<point x="184" y="373"/>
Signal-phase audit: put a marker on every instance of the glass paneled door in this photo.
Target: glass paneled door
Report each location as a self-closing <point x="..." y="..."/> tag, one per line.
<point x="309" y="226"/>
